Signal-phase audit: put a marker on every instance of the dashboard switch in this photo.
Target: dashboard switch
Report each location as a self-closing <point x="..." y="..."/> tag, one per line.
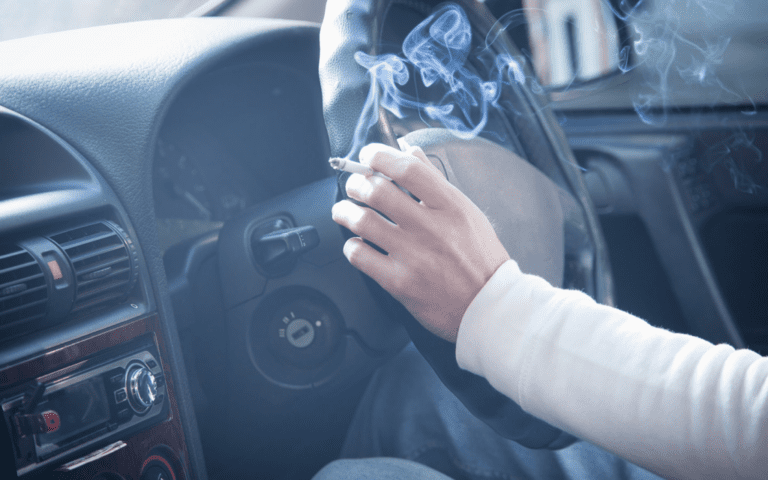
<point x="278" y="250"/>
<point x="124" y="415"/>
<point x="120" y="395"/>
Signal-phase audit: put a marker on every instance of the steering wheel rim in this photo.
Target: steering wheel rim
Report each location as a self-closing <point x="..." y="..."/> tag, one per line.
<point x="359" y="25"/>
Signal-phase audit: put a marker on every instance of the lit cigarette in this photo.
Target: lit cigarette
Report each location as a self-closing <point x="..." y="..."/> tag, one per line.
<point x="354" y="167"/>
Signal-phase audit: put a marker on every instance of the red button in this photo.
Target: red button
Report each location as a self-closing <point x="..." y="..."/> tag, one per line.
<point x="55" y="269"/>
<point x="52" y="420"/>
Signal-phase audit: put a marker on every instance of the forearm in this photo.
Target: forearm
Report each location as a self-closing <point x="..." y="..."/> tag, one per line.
<point x="672" y="403"/>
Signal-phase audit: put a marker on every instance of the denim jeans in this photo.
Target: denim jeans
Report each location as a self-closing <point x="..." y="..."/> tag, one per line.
<point x="377" y="469"/>
<point x="407" y="413"/>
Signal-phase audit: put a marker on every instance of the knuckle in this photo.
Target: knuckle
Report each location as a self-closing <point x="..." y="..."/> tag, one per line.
<point x="373" y="194"/>
<point x="397" y="285"/>
<point x="379" y="161"/>
<point x="363" y="222"/>
<point x="402" y="282"/>
<point x="369" y="152"/>
<point x="412" y="168"/>
<point x="417" y="152"/>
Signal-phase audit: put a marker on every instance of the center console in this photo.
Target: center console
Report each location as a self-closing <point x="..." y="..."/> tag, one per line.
<point x="100" y="407"/>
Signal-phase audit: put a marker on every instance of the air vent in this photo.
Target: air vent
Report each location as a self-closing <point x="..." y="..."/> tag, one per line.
<point x="23" y="289"/>
<point x="103" y="261"/>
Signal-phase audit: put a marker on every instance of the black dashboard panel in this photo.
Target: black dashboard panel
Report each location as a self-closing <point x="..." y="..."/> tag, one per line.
<point x="33" y="162"/>
<point x="105" y="92"/>
<point x="237" y="136"/>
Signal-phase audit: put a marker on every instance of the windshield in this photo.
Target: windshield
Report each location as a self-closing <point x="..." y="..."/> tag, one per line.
<point x="23" y="18"/>
<point x="719" y="45"/>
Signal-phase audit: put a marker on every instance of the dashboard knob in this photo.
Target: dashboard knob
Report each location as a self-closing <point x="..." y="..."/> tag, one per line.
<point x="142" y="388"/>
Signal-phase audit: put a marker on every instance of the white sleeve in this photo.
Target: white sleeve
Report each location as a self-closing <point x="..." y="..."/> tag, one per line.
<point x="674" y="404"/>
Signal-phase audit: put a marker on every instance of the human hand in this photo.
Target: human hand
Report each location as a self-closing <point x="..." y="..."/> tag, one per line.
<point x="441" y="251"/>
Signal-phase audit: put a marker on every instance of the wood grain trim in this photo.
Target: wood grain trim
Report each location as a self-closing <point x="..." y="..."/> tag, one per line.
<point x="165" y="439"/>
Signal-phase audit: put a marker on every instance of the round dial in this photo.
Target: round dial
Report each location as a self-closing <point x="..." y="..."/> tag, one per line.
<point x="142" y="388"/>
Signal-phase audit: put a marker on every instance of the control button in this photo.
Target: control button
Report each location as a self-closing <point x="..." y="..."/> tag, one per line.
<point x="151" y="363"/>
<point x="120" y="395"/>
<point x="300" y="333"/>
<point x="157" y="467"/>
<point x="142" y="388"/>
<point x="116" y="379"/>
<point x="156" y="472"/>
<point x="124" y="415"/>
<point x="52" y="421"/>
<point x="160" y="380"/>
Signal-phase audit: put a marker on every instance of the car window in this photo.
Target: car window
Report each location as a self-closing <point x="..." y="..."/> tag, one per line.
<point x="679" y="52"/>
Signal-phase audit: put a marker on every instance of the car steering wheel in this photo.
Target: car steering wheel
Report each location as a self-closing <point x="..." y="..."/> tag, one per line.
<point x="540" y="208"/>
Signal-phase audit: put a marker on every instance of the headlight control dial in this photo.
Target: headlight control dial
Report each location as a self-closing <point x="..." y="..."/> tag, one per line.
<point x="142" y="388"/>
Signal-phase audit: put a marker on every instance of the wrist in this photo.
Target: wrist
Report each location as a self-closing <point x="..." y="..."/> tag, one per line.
<point x="477" y="323"/>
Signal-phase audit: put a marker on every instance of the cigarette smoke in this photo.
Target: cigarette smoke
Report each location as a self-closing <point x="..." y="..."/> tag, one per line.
<point x="437" y="49"/>
<point x="671" y="59"/>
<point x="667" y="58"/>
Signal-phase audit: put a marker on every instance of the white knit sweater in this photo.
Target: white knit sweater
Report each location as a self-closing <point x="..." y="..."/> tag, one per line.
<point x="674" y="404"/>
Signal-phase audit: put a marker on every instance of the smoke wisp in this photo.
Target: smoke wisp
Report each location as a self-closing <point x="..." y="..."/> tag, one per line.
<point x="673" y="60"/>
<point x="438" y="49"/>
<point x="668" y="60"/>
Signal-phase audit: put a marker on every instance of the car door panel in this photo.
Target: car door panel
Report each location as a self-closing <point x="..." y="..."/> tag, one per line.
<point x="691" y="183"/>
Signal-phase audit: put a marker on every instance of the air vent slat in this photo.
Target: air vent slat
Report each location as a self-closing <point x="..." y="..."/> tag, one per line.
<point x="22" y="307"/>
<point x="13" y="254"/>
<point x="96" y="291"/>
<point x="25" y="320"/>
<point x="87" y="303"/>
<point x="80" y="232"/>
<point x="89" y="239"/>
<point x="99" y="266"/>
<point x="19" y="281"/>
<point x="22" y="293"/>
<point x="96" y="253"/>
<point x="23" y="289"/>
<point x="17" y="267"/>
<point x="105" y="278"/>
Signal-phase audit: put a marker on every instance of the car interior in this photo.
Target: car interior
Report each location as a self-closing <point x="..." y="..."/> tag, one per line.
<point x="174" y="300"/>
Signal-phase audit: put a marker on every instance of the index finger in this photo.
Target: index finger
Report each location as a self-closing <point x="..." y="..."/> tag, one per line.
<point x="422" y="180"/>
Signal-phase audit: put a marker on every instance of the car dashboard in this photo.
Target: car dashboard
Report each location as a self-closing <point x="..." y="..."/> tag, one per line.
<point x="118" y="144"/>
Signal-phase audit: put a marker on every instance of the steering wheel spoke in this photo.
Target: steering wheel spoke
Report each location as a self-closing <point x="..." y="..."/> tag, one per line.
<point x="312" y="322"/>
